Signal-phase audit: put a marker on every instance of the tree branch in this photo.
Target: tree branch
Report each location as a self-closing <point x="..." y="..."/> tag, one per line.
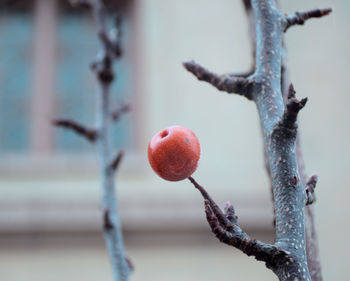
<point x="227" y="230"/>
<point x="116" y="162"/>
<point x="116" y="114"/>
<point x="103" y="68"/>
<point x="292" y="109"/>
<point x="227" y="83"/>
<point x="299" y="18"/>
<point x="89" y="134"/>
<point x="310" y="189"/>
<point x="278" y="122"/>
<point x="312" y="252"/>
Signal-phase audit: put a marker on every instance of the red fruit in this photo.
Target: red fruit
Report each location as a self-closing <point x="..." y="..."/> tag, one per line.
<point x="174" y="153"/>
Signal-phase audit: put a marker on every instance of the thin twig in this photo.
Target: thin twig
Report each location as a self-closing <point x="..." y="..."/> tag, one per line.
<point x="292" y="109"/>
<point x="117" y="159"/>
<point x="227" y="231"/>
<point x="116" y="114"/>
<point x="310" y="189"/>
<point x="312" y="252"/>
<point x="299" y="18"/>
<point x="227" y="83"/>
<point x="103" y="68"/>
<point x="89" y="134"/>
<point x="278" y="122"/>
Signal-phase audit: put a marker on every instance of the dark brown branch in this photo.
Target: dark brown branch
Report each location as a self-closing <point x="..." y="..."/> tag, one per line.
<point x="310" y="189"/>
<point x="111" y="42"/>
<point x="107" y="224"/>
<point x="130" y="263"/>
<point x="299" y="18"/>
<point x="89" y="134"/>
<point x="230" y="213"/>
<point x="292" y="109"/>
<point x="244" y="74"/>
<point x="116" y="114"/>
<point x="219" y="214"/>
<point x="226" y="229"/>
<point x="116" y="162"/>
<point x="103" y="67"/>
<point x="227" y="83"/>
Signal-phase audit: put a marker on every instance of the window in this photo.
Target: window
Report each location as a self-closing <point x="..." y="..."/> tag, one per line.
<point x="16" y="33"/>
<point x="45" y="51"/>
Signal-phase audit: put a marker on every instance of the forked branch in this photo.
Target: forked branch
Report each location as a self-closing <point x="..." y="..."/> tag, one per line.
<point x="279" y="126"/>
<point x="226" y="229"/>
<point x="103" y="68"/>
<point x="122" y="109"/>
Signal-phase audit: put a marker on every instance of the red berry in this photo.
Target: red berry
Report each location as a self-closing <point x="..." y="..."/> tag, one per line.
<point x="174" y="153"/>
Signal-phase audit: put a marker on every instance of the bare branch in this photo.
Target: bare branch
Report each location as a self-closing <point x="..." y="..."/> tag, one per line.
<point x="278" y="122"/>
<point x="310" y="189"/>
<point x="252" y="31"/>
<point x="89" y="134"/>
<point x="226" y="229"/>
<point x="312" y="249"/>
<point x="218" y="213"/>
<point x="299" y="18"/>
<point x="292" y="109"/>
<point x="103" y="68"/>
<point x="116" y="114"/>
<point x="243" y="74"/>
<point x="116" y="162"/>
<point x="130" y="263"/>
<point x="115" y="37"/>
<point x="230" y="213"/>
<point x="107" y="224"/>
<point x="111" y="42"/>
<point x="227" y="83"/>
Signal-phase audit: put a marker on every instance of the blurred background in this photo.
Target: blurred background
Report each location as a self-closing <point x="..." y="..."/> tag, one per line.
<point x="50" y="221"/>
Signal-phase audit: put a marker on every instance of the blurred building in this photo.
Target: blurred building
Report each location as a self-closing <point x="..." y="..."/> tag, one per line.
<point x="50" y="220"/>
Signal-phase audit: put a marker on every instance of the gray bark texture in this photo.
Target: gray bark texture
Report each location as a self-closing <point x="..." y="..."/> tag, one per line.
<point x="101" y="135"/>
<point x="294" y="255"/>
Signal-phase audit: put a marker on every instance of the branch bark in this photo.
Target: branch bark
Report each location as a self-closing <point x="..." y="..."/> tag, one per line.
<point x="278" y="122"/>
<point x="225" y="227"/>
<point x="104" y="74"/>
<point x="102" y="66"/>
<point x="299" y="18"/>
<point x="89" y="134"/>
<point x="312" y="249"/>
<point x="225" y="82"/>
